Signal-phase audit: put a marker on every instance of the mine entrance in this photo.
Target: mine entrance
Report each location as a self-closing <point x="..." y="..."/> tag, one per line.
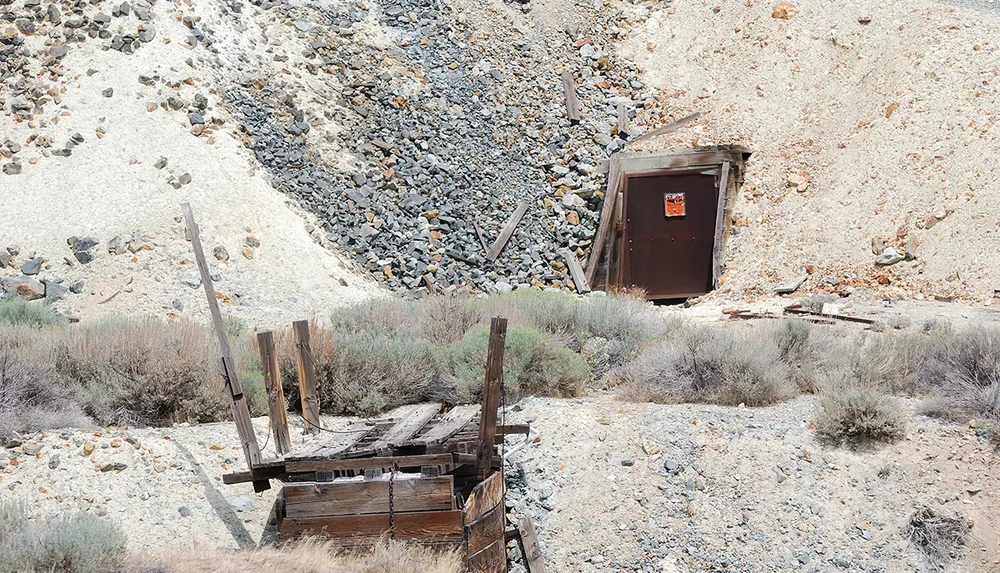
<point x="665" y="221"/>
<point x="669" y="232"/>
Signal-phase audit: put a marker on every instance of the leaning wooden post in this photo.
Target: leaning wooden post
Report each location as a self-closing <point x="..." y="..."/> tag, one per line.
<point x="307" y="377"/>
<point x="275" y="394"/>
<point x="237" y="400"/>
<point x="491" y="396"/>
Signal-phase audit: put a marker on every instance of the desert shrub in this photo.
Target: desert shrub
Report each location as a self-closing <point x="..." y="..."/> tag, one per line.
<point x="702" y="364"/>
<point x="961" y="372"/>
<point x="858" y="415"/>
<point x="387" y="316"/>
<point x="313" y="556"/>
<point x="808" y="353"/>
<point x="361" y="372"/>
<point x="898" y="322"/>
<point x="142" y="372"/>
<point x="534" y="364"/>
<point x="887" y="360"/>
<point x="448" y="318"/>
<point x="31" y="394"/>
<point x="16" y="311"/>
<point x="81" y="543"/>
<point x="940" y="537"/>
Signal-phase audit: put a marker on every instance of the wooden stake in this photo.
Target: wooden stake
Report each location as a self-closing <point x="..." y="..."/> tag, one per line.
<point x="491" y="396"/>
<point x="529" y="543"/>
<point x="275" y="394"/>
<point x="237" y="401"/>
<point x="604" y="227"/>
<point x="307" y="377"/>
<point x="572" y="105"/>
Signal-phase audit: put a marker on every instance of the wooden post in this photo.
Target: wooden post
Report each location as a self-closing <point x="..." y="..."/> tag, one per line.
<point x="604" y="227"/>
<point x="576" y="271"/>
<point x="718" y="249"/>
<point x="275" y="394"/>
<point x="491" y="396"/>
<point x="307" y="378"/>
<point x="572" y="104"/>
<point x="237" y="401"/>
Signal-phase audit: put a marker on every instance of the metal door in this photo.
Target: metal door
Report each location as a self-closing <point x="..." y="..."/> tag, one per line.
<point x="669" y="233"/>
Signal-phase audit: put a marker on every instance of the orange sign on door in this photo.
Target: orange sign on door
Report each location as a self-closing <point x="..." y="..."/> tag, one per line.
<point x="673" y="205"/>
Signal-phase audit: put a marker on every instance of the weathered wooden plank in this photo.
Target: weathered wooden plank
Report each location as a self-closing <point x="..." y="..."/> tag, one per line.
<point x="633" y="164"/>
<point x="364" y="497"/>
<point x="604" y="225"/>
<point x="237" y="401"/>
<point x="331" y="444"/>
<point x="492" y="559"/>
<point x="484" y="497"/>
<point x="576" y="271"/>
<point x="572" y="104"/>
<point x="508" y="230"/>
<point x="622" y="119"/>
<point x="425" y="526"/>
<point x="408" y="426"/>
<point x="672" y="126"/>
<point x="307" y="377"/>
<point x="486" y="530"/>
<point x="450" y="424"/>
<point x="264" y="471"/>
<point x="718" y="251"/>
<point x="529" y="542"/>
<point x="491" y="395"/>
<point x="346" y="464"/>
<point x="276" y="410"/>
<point x="509" y="429"/>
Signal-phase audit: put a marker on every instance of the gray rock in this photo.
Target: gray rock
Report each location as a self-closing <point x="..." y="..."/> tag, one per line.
<point x="192" y="279"/>
<point x="32" y="267"/>
<point x="889" y="257"/>
<point x="54" y="291"/>
<point x="628" y="462"/>
<point x="108" y="92"/>
<point x="242" y="503"/>
<point x="54" y="461"/>
<point x="76" y="287"/>
<point x="184" y="511"/>
<point x="671" y="466"/>
<point x="31" y="448"/>
<point x="160" y="163"/>
<point x="12" y="168"/>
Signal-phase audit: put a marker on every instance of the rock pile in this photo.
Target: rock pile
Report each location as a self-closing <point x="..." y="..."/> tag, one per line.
<point x="450" y="128"/>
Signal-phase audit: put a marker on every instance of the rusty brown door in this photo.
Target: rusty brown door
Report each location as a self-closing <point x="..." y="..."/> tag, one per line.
<point x="669" y="233"/>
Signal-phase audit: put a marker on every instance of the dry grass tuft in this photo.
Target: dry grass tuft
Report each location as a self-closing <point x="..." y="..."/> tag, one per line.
<point x="703" y="364"/>
<point x="311" y="556"/>
<point x="940" y="537"/>
<point x="859" y="415"/>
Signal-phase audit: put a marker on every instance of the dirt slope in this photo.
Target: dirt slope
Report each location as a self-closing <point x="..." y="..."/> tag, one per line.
<point x="886" y="110"/>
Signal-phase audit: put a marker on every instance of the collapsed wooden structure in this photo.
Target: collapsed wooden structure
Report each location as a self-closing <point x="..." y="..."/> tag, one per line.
<point x="430" y="475"/>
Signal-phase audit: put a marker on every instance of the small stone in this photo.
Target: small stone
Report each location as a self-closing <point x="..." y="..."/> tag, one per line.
<point x="628" y="462"/>
<point x="31" y="448"/>
<point x="184" y="511"/>
<point x="573" y="218"/>
<point x="13" y="168"/>
<point x="26" y="287"/>
<point x="192" y="279"/>
<point x="160" y="163"/>
<point x="106" y="467"/>
<point x="864" y="18"/>
<point x="88" y="448"/>
<point x="973" y="489"/>
<point x="889" y="257"/>
<point x="108" y="92"/>
<point x="784" y="11"/>
<point x="671" y="466"/>
<point x="221" y="253"/>
<point x="33" y="266"/>
<point x="252" y="241"/>
<point x="77" y="287"/>
<point x="184" y="179"/>
<point x="248" y="252"/>
<point x="242" y="503"/>
<point x="54" y="461"/>
<point x="54" y="291"/>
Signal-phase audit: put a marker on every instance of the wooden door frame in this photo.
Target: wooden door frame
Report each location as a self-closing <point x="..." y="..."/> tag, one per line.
<point x="624" y="165"/>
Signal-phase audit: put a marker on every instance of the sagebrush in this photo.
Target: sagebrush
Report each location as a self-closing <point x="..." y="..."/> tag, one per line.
<point x="858" y="415"/>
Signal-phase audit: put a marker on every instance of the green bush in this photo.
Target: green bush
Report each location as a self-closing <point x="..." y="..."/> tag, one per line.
<point x="81" y="543"/>
<point x="534" y="364"/>
<point x="858" y="415"/>
<point x="17" y="311"/>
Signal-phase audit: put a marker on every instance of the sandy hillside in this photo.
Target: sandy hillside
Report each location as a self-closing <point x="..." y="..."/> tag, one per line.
<point x="129" y="111"/>
<point x="867" y="121"/>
